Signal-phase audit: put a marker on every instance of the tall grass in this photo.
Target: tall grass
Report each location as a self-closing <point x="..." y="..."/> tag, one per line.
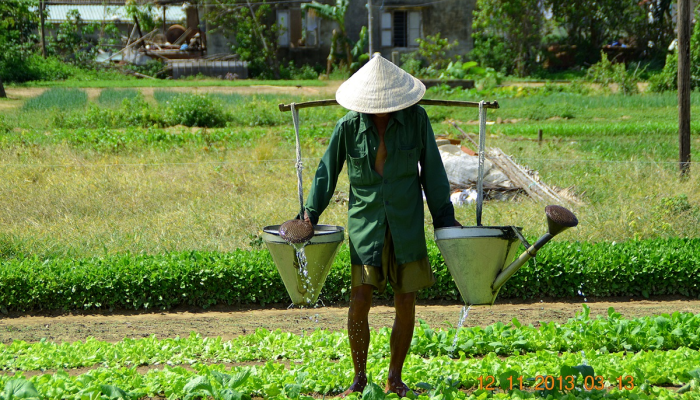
<point x="85" y="191"/>
<point x="57" y="98"/>
<point x="114" y="97"/>
<point x="60" y="199"/>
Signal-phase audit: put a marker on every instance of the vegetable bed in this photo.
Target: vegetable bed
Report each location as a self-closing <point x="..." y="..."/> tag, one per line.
<point x="127" y="281"/>
<point x="642" y="358"/>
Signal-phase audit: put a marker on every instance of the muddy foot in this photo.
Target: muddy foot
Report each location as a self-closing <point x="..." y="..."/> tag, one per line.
<point x="399" y="388"/>
<point x="357" y="386"/>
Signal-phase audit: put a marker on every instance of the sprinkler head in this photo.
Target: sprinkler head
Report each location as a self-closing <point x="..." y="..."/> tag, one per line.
<point x="296" y="231"/>
<point x="559" y="219"/>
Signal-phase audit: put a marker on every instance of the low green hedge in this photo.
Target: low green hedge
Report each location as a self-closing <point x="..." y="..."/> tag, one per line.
<point x="562" y="269"/>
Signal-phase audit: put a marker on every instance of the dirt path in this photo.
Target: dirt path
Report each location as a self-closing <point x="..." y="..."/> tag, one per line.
<point x="23" y="93"/>
<point x="230" y="322"/>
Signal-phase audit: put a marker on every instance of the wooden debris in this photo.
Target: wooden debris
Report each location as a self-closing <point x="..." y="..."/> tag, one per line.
<point x="525" y="179"/>
<point x="521" y="177"/>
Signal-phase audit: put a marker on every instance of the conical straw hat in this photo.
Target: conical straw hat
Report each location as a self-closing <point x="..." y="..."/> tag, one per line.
<point x="379" y="87"/>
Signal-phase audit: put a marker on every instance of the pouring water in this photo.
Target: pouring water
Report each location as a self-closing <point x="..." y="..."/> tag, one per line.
<point x="462" y="318"/>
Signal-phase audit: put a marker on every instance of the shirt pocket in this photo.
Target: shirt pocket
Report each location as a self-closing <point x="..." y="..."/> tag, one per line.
<point x="359" y="170"/>
<point x="407" y="161"/>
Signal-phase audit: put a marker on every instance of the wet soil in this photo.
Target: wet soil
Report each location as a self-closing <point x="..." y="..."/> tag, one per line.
<point x="230" y="322"/>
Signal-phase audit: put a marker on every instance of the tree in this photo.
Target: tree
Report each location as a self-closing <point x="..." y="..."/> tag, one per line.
<point x="17" y="21"/>
<point x="654" y="28"/>
<point x="2" y="89"/>
<point x="591" y="24"/>
<point x="254" y="37"/>
<point x="508" y="34"/>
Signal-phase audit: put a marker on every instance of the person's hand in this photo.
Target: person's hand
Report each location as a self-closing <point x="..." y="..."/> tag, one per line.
<point x="306" y="217"/>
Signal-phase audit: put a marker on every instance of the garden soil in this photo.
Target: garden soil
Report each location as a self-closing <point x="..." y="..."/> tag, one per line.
<point x="230" y="322"/>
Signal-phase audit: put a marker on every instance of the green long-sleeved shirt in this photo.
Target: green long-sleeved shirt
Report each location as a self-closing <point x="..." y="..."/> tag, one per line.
<point x="394" y="198"/>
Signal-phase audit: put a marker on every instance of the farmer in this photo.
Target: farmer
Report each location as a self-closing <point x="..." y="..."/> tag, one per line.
<point x="388" y="145"/>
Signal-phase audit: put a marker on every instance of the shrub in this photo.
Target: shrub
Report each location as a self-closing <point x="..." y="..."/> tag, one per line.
<point x="562" y="269"/>
<point x="606" y="73"/>
<point x="134" y="111"/>
<point x="181" y="109"/>
<point x="431" y="58"/>
<point x="195" y="110"/>
<point x="679" y="205"/>
<point x="35" y="67"/>
<point x="411" y="63"/>
<point x="668" y="78"/>
<point x="153" y="68"/>
<point x="4" y="126"/>
<point x="305" y="72"/>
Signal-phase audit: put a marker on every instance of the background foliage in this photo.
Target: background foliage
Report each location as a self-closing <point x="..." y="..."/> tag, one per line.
<point x="516" y="36"/>
<point x="508" y="34"/>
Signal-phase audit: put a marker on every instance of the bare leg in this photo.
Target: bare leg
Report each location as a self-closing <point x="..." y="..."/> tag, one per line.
<point x="401" y="336"/>
<point x="358" y="334"/>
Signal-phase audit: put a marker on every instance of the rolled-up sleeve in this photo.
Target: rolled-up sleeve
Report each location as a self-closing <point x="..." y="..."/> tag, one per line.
<point x="434" y="179"/>
<point x="326" y="178"/>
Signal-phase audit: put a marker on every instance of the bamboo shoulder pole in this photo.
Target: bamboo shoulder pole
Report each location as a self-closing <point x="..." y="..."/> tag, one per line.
<point x="424" y="102"/>
<point x="684" y="17"/>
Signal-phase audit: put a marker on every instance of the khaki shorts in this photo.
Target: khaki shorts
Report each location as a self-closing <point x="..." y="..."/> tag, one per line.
<point x="404" y="278"/>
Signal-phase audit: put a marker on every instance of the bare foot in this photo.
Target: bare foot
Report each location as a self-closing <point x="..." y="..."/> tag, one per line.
<point x="399" y="388"/>
<point x="357" y="386"/>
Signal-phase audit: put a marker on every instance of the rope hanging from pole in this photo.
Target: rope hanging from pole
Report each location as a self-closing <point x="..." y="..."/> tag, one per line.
<point x="300" y="167"/>
<point x="482" y="155"/>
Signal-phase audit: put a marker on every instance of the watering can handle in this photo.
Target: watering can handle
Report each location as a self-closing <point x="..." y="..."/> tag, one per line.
<point x="295" y="120"/>
<point x="521" y="237"/>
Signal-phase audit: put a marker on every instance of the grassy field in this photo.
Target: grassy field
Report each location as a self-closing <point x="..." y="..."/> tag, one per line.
<point x="84" y="190"/>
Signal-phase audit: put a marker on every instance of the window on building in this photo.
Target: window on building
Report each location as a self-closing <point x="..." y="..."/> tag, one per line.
<point x="311" y="26"/>
<point x="283" y="25"/>
<point x="401" y="28"/>
<point x="298" y="28"/>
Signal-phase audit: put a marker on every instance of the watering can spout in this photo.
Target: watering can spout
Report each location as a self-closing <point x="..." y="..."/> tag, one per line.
<point x="559" y="219"/>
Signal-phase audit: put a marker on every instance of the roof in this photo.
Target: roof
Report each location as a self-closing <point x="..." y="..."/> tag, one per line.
<point x="99" y="13"/>
<point x="86" y="2"/>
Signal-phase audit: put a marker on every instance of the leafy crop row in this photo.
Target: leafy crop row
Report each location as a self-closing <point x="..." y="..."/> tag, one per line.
<point x="437" y="378"/>
<point x="634" y="268"/>
<point x="600" y="335"/>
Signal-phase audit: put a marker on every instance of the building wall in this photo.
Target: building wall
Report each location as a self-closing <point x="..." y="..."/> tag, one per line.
<point x="309" y="55"/>
<point x="451" y="18"/>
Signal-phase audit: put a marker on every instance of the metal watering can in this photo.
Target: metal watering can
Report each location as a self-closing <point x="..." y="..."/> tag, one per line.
<point x="477" y="256"/>
<point x="304" y="287"/>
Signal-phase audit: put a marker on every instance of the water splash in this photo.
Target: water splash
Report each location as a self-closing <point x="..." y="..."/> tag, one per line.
<point x="462" y="318"/>
<point x="303" y="270"/>
<point x="580" y="293"/>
